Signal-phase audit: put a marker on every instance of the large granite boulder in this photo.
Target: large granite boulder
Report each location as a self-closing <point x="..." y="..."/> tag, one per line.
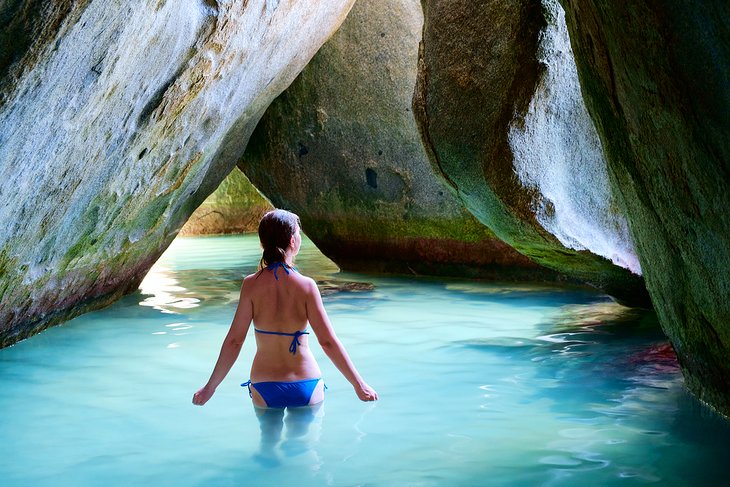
<point x="501" y="114"/>
<point x="656" y="81"/>
<point x="122" y="120"/>
<point x="340" y="147"/>
<point x="234" y="207"/>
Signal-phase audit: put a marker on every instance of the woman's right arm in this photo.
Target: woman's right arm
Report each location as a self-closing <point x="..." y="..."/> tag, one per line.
<point x="231" y="347"/>
<point x="318" y="319"/>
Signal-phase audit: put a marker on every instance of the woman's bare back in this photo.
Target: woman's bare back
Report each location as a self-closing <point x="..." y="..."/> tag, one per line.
<point x="279" y="305"/>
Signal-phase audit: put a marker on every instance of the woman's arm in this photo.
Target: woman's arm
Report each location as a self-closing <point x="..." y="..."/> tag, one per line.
<point x="332" y="346"/>
<point x="231" y="347"/>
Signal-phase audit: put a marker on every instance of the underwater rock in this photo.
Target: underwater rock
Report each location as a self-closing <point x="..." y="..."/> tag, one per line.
<point x="340" y="147"/>
<point x="235" y="207"/>
<point x="655" y="77"/>
<point x="331" y="286"/>
<point x="122" y="120"/>
<point x="500" y="112"/>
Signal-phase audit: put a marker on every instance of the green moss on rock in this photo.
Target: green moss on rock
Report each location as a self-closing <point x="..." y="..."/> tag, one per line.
<point x="655" y="77"/>
<point x="340" y="147"/>
<point x="104" y="161"/>
<point x="235" y="207"/>
<point x="477" y="69"/>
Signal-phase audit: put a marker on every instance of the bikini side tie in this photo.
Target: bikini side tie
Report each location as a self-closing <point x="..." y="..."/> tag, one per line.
<point x="295" y="341"/>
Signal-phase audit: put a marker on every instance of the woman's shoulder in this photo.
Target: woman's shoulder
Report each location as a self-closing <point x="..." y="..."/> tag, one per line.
<point x="300" y="279"/>
<point x="299" y="276"/>
<point x="307" y="282"/>
<point x="251" y="277"/>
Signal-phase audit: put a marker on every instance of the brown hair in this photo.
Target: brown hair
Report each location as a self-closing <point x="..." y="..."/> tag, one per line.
<point x="276" y="229"/>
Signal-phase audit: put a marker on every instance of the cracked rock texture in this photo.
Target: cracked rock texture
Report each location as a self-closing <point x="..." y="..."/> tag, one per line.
<point x="341" y="148"/>
<point x="117" y="120"/>
<point x="656" y="80"/>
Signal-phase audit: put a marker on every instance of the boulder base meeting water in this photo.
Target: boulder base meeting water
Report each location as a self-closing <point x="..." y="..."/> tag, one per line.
<point x="479" y="384"/>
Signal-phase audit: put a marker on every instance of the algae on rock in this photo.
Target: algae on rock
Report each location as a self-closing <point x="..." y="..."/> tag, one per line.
<point x="478" y="72"/>
<point x="341" y="148"/>
<point x="117" y="125"/>
<point x="235" y="207"/>
<point x="655" y="78"/>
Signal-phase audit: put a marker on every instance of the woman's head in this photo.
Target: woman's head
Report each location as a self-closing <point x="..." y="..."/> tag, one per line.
<point x="278" y="232"/>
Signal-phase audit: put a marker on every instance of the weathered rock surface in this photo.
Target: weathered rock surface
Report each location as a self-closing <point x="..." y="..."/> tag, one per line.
<point x="28" y="27"/>
<point x="656" y="79"/>
<point x="120" y="124"/>
<point x="341" y="148"/>
<point x="234" y="207"/>
<point x="481" y="67"/>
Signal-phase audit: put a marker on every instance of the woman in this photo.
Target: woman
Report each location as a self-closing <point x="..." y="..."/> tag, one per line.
<point x="280" y="301"/>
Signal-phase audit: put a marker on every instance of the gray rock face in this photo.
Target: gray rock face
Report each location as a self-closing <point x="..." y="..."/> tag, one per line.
<point x="656" y="79"/>
<point x="28" y="27"/>
<point x="341" y="148"/>
<point x="121" y="122"/>
<point x="496" y="102"/>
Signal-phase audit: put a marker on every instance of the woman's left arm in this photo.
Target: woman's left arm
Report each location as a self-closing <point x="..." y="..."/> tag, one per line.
<point x="231" y="347"/>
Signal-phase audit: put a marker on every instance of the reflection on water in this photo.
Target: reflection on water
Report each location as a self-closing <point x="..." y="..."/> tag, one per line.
<point x="165" y="291"/>
<point x="480" y="384"/>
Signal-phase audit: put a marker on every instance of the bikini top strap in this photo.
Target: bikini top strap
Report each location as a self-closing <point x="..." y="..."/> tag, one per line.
<point x="295" y="341"/>
<point x="275" y="266"/>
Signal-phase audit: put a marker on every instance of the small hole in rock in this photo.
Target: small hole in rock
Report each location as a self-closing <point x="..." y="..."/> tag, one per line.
<point x="303" y="151"/>
<point x="372" y="178"/>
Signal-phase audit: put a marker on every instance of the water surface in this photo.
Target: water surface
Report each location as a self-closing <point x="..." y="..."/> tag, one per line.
<point x="480" y="384"/>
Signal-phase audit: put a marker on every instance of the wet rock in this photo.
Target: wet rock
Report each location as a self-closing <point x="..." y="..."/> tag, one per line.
<point x="117" y="124"/>
<point x="329" y="287"/>
<point x="341" y="148"/>
<point x="655" y="78"/>
<point x="235" y="207"/>
<point x="485" y="75"/>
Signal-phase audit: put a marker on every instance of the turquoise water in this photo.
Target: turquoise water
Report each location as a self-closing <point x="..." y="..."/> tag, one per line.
<point x="480" y="384"/>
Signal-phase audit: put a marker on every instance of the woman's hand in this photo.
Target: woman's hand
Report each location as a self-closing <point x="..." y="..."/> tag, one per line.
<point x="202" y="396"/>
<point x="365" y="392"/>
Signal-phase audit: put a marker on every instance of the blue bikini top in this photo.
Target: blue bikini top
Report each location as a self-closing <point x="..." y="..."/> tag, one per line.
<point x="275" y="266"/>
<point x="295" y="341"/>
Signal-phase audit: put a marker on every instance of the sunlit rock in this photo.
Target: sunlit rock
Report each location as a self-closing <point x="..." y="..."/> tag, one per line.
<point x="501" y="114"/>
<point x="341" y="148"/>
<point x="557" y="152"/>
<point x="28" y="27"/>
<point x="234" y="207"/>
<point x="655" y="77"/>
<point x="117" y="125"/>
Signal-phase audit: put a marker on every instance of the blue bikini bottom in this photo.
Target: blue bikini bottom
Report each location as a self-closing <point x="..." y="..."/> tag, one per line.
<point x="284" y="394"/>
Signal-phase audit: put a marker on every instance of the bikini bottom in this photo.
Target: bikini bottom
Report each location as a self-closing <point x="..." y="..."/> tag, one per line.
<point x="284" y="394"/>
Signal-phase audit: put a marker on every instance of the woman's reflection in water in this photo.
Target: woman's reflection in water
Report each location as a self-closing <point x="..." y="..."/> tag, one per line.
<point x="298" y="421"/>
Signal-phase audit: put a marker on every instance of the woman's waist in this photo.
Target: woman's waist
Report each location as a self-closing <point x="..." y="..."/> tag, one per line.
<point x="278" y="366"/>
